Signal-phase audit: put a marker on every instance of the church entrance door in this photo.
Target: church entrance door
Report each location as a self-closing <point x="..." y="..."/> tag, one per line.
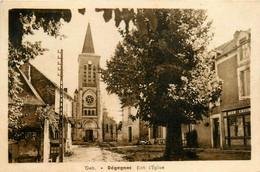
<point x="88" y="135"/>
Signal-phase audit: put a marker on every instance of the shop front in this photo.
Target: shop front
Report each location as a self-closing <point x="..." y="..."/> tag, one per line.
<point x="237" y="129"/>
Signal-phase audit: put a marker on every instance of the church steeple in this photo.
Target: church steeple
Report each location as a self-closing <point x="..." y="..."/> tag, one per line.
<point x="88" y="46"/>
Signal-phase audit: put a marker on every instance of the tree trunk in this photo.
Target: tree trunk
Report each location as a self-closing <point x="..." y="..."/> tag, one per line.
<point x="174" y="148"/>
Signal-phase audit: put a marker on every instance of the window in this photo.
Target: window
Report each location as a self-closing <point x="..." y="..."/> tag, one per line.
<point x="89" y="99"/>
<point x="244" y="82"/>
<point x="111" y="130"/>
<point x="94" y="74"/>
<point x="247" y="126"/>
<point x="84" y="76"/>
<point x="89" y="73"/>
<point x="89" y="112"/>
<point x="55" y="135"/>
<point x="236" y="126"/>
<point x="244" y="50"/>
<point x="107" y="128"/>
<point x="155" y="132"/>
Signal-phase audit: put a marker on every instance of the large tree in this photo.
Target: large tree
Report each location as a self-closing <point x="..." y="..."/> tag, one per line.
<point x="166" y="72"/>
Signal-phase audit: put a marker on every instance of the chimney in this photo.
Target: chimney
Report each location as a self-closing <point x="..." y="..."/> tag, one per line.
<point x="66" y="90"/>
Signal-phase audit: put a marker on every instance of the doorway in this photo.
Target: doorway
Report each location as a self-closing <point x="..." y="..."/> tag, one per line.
<point x="88" y="136"/>
<point x="216" y="133"/>
<point x="130" y="134"/>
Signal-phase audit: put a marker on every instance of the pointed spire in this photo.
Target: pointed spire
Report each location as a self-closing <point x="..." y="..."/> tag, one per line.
<point x="88" y="46"/>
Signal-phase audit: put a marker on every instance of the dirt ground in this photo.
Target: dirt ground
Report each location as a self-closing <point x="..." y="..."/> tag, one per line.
<point x="155" y="153"/>
<point x="82" y="153"/>
<point x="113" y="152"/>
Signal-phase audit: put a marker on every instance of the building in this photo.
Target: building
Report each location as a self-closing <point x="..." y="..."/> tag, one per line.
<point x="202" y="136"/>
<point x="157" y="135"/>
<point x="50" y="93"/>
<point x="229" y="124"/>
<point x="28" y="145"/>
<point x="38" y="143"/>
<point x="133" y="130"/>
<point x="109" y="127"/>
<point x="230" y="121"/>
<point x="87" y="106"/>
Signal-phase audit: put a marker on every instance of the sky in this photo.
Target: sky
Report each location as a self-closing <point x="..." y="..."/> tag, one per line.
<point x="226" y="20"/>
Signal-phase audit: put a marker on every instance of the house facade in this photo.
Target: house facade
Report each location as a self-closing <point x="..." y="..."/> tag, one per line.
<point x="228" y="126"/>
<point x="109" y="127"/>
<point x="230" y="121"/>
<point x="37" y="141"/>
<point x="87" y="107"/>
<point x="157" y="135"/>
<point x="27" y="143"/>
<point x="133" y="130"/>
<point x="49" y="91"/>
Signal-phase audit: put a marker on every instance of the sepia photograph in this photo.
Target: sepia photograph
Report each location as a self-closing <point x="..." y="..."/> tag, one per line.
<point x="106" y="86"/>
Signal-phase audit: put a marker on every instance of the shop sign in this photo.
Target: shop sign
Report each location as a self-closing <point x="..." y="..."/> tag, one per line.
<point x="232" y="112"/>
<point x="238" y="111"/>
<point x="244" y="110"/>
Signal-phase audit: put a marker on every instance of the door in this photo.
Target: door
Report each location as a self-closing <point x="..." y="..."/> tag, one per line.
<point x="88" y="135"/>
<point x="130" y="134"/>
<point x="216" y="133"/>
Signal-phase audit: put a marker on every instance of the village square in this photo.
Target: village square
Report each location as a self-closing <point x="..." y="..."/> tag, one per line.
<point x="149" y="90"/>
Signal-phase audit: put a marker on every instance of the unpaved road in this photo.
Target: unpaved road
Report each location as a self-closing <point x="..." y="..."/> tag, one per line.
<point x="92" y="154"/>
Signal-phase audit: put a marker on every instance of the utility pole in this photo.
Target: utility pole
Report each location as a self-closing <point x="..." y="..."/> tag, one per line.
<point x="61" y="120"/>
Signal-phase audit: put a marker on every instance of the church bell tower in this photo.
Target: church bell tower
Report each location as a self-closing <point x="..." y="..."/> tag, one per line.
<point x="88" y="110"/>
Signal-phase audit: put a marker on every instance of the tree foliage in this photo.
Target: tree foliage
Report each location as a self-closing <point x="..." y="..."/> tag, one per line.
<point x="140" y="18"/>
<point x="47" y="113"/>
<point x="24" y="22"/>
<point x="167" y="70"/>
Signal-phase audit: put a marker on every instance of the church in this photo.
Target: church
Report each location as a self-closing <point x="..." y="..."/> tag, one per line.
<point x="87" y="101"/>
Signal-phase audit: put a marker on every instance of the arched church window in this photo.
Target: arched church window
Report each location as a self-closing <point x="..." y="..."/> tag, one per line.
<point x="93" y="113"/>
<point x="85" y="75"/>
<point x="94" y="74"/>
<point x="85" y="112"/>
<point x="89" y="73"/>
<point x="88" y="112"/>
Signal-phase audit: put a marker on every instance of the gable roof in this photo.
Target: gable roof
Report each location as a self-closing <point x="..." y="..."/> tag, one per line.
<point x="227" y="47"/>
<point x="44" y="86"/>
<point x="28" y="94"/>
<point x="230" y="45"/>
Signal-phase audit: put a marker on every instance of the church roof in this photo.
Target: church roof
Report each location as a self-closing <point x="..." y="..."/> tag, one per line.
<point x="88" y="46"/>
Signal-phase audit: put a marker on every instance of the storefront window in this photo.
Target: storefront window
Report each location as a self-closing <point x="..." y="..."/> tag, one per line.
<point x="239" y="124"/>
<point x="247" y="125"/>
<point x="226" y="127"/>
<point x="236" y="126"/>
<point x="232" y="126"/>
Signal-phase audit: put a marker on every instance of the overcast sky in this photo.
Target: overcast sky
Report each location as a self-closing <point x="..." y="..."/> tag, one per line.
<point x="226" y="20"/>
